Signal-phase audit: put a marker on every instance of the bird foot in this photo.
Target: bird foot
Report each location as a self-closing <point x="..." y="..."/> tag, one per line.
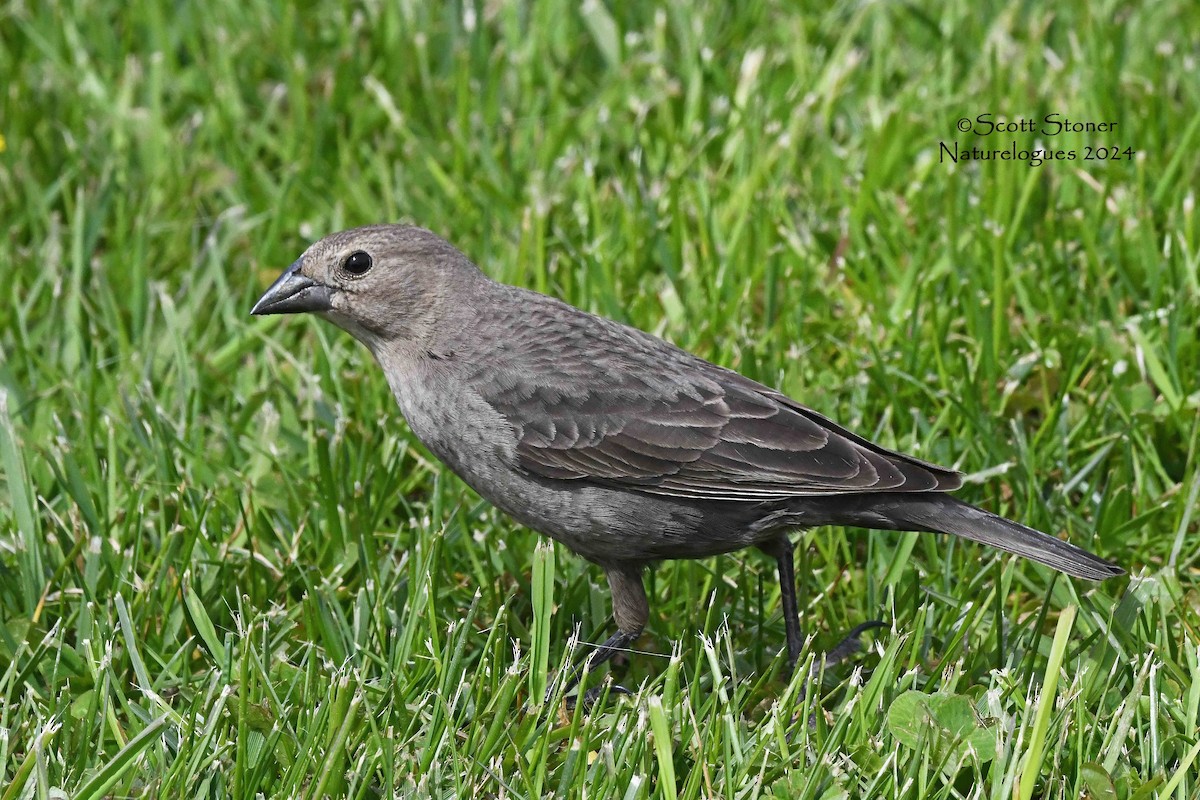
<point x="850" y="644"/>
<point x="588" y="698"/>
<point x="593" y="696"/>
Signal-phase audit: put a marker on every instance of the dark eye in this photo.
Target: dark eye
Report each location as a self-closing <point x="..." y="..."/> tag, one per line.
<point x="357" y="263"/>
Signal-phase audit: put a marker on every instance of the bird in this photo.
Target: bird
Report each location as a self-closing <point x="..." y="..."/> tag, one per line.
<point x="621" y="446"/>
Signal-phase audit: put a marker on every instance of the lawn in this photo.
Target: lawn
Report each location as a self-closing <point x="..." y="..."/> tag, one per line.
<point x="227" y="569"/>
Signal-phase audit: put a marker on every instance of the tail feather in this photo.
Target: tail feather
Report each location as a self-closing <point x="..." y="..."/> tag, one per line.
<point x="942" y="513"/>
<point x="960" y="519"/>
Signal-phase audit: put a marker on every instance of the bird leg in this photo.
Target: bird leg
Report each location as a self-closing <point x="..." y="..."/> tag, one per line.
<point x="631" y="611"/>
<point x="784" y="553"/>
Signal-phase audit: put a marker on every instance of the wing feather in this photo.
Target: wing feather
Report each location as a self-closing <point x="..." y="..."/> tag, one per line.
<point x="592" y="400"/>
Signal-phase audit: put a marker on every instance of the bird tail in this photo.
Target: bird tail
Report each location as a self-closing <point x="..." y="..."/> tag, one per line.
<point x="942" y="513"/>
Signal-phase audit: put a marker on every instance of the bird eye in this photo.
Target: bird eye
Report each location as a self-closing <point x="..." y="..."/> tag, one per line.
<point x="357" y="263"/>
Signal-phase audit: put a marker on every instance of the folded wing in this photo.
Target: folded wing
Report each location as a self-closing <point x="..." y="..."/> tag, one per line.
<point x="595" y="401"/>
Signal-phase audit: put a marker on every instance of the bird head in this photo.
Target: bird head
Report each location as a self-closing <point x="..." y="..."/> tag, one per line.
<point x="385" y="284"/>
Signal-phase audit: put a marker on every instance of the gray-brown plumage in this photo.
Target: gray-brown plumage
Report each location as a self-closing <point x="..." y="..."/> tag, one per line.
<point x="619" y="445"/>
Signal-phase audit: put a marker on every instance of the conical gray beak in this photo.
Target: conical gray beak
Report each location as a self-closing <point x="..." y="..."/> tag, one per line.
<point x="293" y="293"/>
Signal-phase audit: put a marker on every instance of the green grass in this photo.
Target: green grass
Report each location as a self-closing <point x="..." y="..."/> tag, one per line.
<point x="227" y="569"/>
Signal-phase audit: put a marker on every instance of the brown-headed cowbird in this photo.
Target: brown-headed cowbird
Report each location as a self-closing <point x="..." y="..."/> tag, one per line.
<point x="614" y="442"/>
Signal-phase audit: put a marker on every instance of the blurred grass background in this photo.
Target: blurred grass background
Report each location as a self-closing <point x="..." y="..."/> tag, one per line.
<point x="227" y="569"/>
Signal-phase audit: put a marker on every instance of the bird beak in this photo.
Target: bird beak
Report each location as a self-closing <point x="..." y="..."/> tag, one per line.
<point x="294" y="293"/>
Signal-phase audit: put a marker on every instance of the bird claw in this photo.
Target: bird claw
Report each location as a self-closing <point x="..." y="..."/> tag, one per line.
<point x="851" y="643"/>
<point x="593" y="695"/>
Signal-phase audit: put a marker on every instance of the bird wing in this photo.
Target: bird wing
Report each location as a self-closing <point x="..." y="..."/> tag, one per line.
<point x="592" y="400"/>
